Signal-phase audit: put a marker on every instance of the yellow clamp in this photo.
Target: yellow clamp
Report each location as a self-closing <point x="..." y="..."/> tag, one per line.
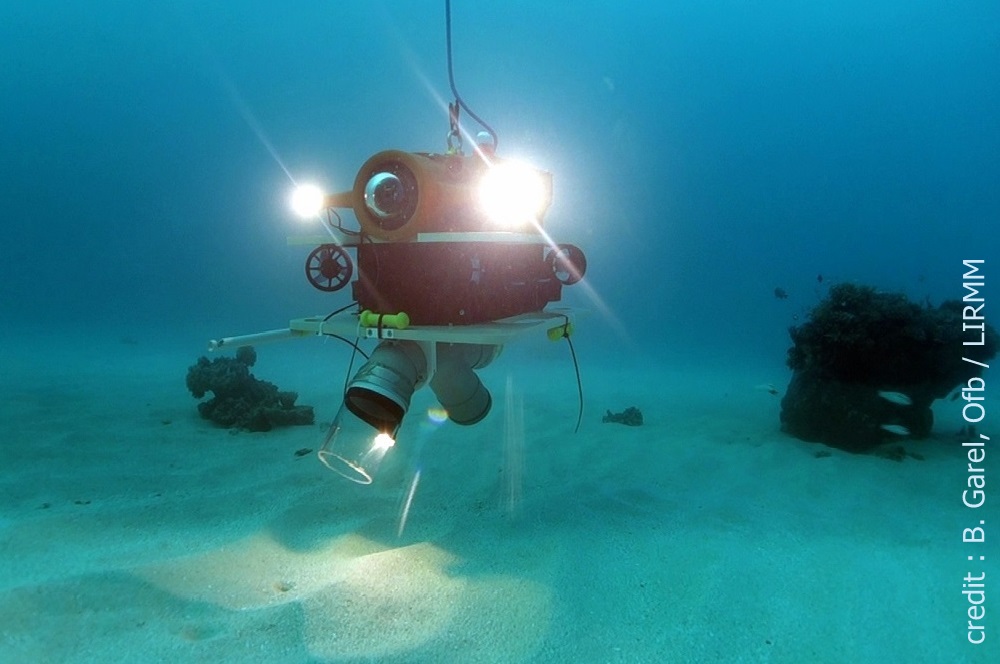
<point x="557" y="333"/>
<point x="399" y="321"/>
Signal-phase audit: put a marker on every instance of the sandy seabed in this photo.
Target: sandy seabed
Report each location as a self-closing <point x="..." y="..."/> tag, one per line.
<point x="133" y="531"/>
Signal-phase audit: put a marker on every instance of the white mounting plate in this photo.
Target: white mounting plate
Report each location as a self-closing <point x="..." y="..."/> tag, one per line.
<point x="497" y="332"/>
<point x="345" y="240"/>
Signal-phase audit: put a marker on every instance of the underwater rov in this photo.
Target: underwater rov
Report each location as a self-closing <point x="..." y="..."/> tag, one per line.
<point x="452" y="263"/>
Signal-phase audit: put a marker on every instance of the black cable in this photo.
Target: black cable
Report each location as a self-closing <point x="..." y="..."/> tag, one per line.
<point x="350" y="365"/>
<point x="352" y="344"/>
<point x="337" y="311"/>
<point x="332" y="214"/>
<point x="579" y="384"/>
<point x="347" y="341"/>
<point x="451" y="79"/>
<point x="576" y="368"/>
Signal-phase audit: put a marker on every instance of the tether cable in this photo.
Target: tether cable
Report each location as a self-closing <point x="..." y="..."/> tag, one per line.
<point x="454" y="89"/>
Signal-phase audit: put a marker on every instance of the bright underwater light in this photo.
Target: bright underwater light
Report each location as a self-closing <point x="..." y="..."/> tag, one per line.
<point x="513" y="195"/>
<point x="308" y="200"/>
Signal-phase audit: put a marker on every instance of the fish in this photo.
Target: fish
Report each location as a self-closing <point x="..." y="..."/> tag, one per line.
<point x="781" y="293"/>
<point x="766" y="387"/>
<point x="895" y="429"/>
<point x="897" y="398"/>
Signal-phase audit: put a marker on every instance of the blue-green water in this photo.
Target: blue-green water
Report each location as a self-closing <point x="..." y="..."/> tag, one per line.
<point x="703" y="154"/>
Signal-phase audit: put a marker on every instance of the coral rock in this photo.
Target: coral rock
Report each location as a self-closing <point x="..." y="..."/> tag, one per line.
<point x="241" y="401"/>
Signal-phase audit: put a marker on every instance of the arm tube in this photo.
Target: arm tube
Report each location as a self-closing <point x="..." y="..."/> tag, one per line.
<point x="256" y="338"/>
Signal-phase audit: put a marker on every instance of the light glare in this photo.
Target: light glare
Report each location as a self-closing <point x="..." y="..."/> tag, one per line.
<point x="382" y="443"/>
<point x="512" y="195"/>
<point x="308" y="200"/>
<point x="437" y="415"/>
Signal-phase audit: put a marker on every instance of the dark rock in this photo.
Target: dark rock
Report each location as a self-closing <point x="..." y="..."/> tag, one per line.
<point x="631" y="416"/>
<point x="858" y="342"/>
<point x="246" y="355"/>
<point x="289" y="415"/>
<point x="849" y="415"/>
<point x="241" y="401"/>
